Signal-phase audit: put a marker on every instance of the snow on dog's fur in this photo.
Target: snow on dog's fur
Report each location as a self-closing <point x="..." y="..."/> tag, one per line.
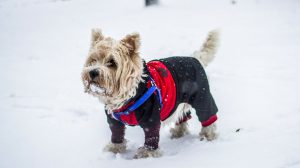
<point x="119" y="71"/>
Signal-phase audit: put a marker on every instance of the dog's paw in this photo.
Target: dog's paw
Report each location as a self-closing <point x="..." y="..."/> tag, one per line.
<point x="179" y="130"/>
<point x="143" y="152"/>
<point x="116" y="147"/>
<point x="208" y="133"/>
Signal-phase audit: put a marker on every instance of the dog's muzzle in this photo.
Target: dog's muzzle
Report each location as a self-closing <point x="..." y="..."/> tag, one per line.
<point x="92" y="85"/>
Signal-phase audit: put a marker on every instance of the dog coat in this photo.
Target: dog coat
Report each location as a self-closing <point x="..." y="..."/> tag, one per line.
<point x="178" y="80"/>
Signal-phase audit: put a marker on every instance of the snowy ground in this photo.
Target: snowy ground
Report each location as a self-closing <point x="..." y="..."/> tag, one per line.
<point x="47" y="121"/>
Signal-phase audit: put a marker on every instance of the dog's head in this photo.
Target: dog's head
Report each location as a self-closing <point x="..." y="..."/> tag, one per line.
<point x="112" y="67"/>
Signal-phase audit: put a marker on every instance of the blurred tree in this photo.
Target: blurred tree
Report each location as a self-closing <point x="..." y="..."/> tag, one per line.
<point x="151" y="2"/>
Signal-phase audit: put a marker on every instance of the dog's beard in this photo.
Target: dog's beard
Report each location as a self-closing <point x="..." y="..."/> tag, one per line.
<point x="95" y="89"/>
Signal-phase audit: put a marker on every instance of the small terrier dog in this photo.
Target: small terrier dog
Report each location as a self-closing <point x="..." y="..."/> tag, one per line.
<point x="148" y="94"/>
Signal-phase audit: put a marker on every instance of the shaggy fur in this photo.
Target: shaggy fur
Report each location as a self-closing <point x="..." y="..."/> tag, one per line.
<point x="181" y="110"/>
<point x="208" y="50"/>
<point x="209" y="132"/>
<point x="120" y="70"/>
<point x="145" y="153"/>
<point x="116" y="147"/>
<point x="119" y="74"/>
<point x="179" y="130"/>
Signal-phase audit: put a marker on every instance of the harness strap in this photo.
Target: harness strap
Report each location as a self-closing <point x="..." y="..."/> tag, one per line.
<point x="140" y="101"/>
<point x="158" y="91"/>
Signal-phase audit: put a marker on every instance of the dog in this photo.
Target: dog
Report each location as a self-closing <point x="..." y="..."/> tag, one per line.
<point x="147" y="94"/>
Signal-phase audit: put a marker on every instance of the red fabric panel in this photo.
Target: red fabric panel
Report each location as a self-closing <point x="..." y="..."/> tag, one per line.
<point x="164" y="81"/>
<point x="130" y="119"/>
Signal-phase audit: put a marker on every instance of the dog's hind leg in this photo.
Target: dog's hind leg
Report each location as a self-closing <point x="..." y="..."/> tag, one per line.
<point x="181" y="127"/>
<point x="208" y="132"/>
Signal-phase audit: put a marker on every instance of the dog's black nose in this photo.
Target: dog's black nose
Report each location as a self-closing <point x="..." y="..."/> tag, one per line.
<point x="94" y="73"/>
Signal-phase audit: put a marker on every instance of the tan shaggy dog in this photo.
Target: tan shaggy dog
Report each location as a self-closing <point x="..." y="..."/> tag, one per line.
<point x="114" y="72"/>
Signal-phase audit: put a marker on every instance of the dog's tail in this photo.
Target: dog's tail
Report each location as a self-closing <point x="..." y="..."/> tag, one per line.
<point x="209" y="48"/>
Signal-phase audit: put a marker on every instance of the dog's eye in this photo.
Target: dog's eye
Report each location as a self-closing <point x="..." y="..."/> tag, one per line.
<point x="92" y="61"/>
<point x="111" y="63"/>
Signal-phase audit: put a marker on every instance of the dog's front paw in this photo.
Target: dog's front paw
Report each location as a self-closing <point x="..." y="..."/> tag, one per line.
<point x="208" y="133"/>
<point x="116" y="147"/>
<point x="143" y="152"/>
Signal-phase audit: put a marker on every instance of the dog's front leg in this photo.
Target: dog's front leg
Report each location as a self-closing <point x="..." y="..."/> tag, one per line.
<point x="118" y="142"/>
<point x="150" y="148"/>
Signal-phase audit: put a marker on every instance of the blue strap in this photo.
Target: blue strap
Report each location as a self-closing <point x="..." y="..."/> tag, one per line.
<point x="158" y="91"/>
<point x="140" y="101"/>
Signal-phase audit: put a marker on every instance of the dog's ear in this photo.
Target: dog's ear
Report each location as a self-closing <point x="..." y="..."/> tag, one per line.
<point x="96" y="36"/>
<point x="132" y="43"/>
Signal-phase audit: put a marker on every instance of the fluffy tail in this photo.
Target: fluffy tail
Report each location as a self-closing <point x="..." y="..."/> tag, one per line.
<point x="208" y="50"/>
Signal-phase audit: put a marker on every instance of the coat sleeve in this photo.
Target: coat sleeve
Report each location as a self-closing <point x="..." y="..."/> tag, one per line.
<point x="117" y="129"/>
<point x="148" y="114"/>
<point x="149" y="120"/>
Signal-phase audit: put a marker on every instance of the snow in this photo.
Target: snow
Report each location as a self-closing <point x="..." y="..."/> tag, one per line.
<point x="95" y="89"/>
<point x="46" y="119"/>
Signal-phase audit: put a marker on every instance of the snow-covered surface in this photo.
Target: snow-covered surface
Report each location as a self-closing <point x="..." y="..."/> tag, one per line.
<point x="46" y="120"/>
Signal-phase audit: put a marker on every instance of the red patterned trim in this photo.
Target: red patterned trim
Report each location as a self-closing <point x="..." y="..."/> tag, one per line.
<point x="208" y="122"/>
<point x="184" y="119"/>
